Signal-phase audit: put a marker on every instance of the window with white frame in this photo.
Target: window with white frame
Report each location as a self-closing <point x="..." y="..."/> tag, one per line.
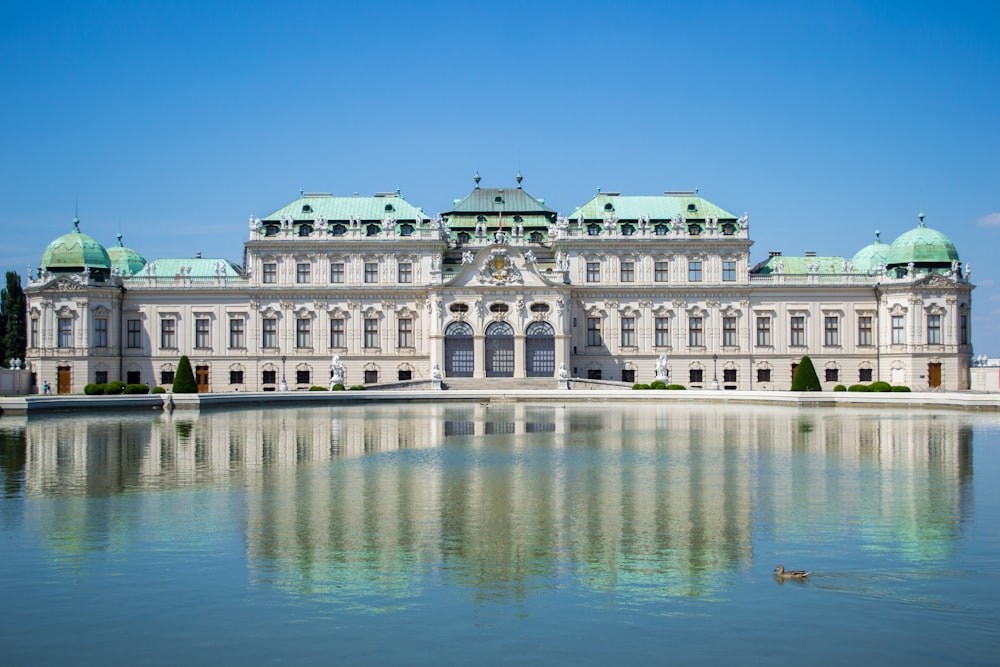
<point x="303" y="273"/>
<point x="627" y="271"/>
<point x="236" y="338"/>
<point x="101" y="332"/>
<point x="898" y="329"/>
<point x="797" y="331"/>
<point x="593" y="272"/>
<point x="728" y="271"/>
<point x="337" y="332"/>
<point x="696" y="332"/>
<point x="201" y="333"/>
<point x="594" y="332"/>
<point x="933" y="329"/>
<point x="831" y="331"/>
<point x="729" y="331"/>
<point x="661" y="271"/>
<point x="864" y="330"/>
<point x="270" y="273"/>
<point x="404" y="332"/>
<point x="371" y="272"/>
<point x="371" y="332"/>
<point x="303" y="333"/>
<point x="168" y="334"/>
<point x="336" y="272"/>
<point x="133" y="331"/>
<point x="404" y="272"/>
<point x="763" y="331"/>
<point x="628" y="332"/>
<point x="694" y="271"/>
<point x="65" y="332"/>
<point x="661" y="332"/>
<point x="269" y="332"/>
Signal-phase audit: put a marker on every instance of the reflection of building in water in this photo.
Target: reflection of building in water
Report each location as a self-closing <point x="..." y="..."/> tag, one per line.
<point x="503" y="496"/>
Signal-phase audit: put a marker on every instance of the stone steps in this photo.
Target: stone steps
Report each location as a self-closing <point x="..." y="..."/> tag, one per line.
<point x="499" y="384"/>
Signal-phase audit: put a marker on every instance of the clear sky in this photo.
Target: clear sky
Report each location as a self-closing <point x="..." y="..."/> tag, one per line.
<point x="173" y="122"/>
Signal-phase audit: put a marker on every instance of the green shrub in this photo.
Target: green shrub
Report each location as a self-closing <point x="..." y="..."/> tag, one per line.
<point x="114" y="388"/>
<point x="901" y="388"/>
<point x="805" y="377"/>
<point x="93" y="389"/>
<point x="880" y="386"/>
<point x="136" y="389"/>
<point x="184" y="378"/>
<point x="356" y="387"/>
<point x="338" y="387"/>
<point x="158" y="390"/>
<point x="858" y="387"/>
<point x="675" y="387"/>
<point x="657" y="384"/>
<point x="639" y="387"/>
<point x="317" y="388"/>
<point x="840" y="387"/>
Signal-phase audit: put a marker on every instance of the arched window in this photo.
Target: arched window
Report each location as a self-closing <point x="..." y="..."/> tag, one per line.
<point x="371" y="230"/>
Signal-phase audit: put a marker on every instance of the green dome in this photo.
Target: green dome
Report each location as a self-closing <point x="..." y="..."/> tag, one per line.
<point x="924" y="247"/>
<point x="125" y="261"/>
<point x="74" y="252"/>
<point x="872" y="256"/>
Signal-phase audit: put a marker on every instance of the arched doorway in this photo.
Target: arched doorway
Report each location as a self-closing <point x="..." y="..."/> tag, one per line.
<point x="540" y="350"/>
<point x="500" y="350"/>
<point x="459" y="350"/>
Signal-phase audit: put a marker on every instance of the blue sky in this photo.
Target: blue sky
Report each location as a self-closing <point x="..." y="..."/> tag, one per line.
<point x="174" y="121"/>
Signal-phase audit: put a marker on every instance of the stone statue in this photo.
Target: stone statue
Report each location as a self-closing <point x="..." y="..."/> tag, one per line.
<point x="529" y="257"/>
<point x="662" y="372"/>
<point x="436" y="372"/>
<point x="467" y="257"/>
<point x="744" y="221"/>
<point x="337" y="371"/>
<point x="563" y="376"/>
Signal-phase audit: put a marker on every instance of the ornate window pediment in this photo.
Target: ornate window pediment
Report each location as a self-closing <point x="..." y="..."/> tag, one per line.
<point x="304" y="312"/>
<point x="270" y="312"/>
<point x="65" y="311"/>
<point x="898" y="309"/>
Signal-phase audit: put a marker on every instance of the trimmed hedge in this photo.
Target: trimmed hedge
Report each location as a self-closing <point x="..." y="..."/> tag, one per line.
<point x="136" y="389"/>
<point x="356" y="387"/>
<point x="676" y="387"/>
<point x="317" y="388"/>
<point x="880" y="386"/>
<point x="158" y="390"/>
<point x="840" y="387"/>
<point x="657" y="384"/>
<point x="93" y="389"/>
<point x="338" y="387"/>
<point x="805" y="377"/>
<point x="184" y="378"/>
<point x="901" y="388"/>
<point x="114" y="388"/>
<point x="639" y="387"/>
<point x="858" y="387"/>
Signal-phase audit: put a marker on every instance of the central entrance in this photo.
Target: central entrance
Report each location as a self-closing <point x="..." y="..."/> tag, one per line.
<point x="540" y="350"/>
<point x="500" y="350"/>
<point x="459" y="351"/>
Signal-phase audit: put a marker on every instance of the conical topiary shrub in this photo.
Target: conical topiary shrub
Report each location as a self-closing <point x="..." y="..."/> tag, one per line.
<point x="184" y="378"/>
<point x="805" y="377"/>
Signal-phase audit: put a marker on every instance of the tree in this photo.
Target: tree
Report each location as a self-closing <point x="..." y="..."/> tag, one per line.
<point x="13" y="319"/>
<point x="805" y="377"/>
<point x="184" y="378"/>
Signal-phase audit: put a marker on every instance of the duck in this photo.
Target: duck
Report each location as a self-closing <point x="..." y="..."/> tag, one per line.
<point x="781" y="572"/>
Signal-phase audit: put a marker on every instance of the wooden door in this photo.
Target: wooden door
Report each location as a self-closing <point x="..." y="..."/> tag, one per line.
<point x="933" y="375"/>
<point x="64" y="380"/>
<point x="201" y="378"/>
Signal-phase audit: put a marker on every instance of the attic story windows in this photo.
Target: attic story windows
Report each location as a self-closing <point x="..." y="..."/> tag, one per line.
<point x="306" y="208"/>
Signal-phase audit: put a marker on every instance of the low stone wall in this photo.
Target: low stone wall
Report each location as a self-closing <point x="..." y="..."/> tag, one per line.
<point x="15" y="383"/>
<point x="984" y="378"/>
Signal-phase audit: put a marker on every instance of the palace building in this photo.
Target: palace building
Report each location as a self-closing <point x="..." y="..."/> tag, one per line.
<point x="501" y="286"/>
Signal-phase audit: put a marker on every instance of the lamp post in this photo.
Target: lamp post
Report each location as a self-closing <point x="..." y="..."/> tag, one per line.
<point x="284" y="385"/>
<point x="715" y="371"/>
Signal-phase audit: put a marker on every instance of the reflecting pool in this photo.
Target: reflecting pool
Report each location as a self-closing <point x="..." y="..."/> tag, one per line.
<point x="501" y="533"/>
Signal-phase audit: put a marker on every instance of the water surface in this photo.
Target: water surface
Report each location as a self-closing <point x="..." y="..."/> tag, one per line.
<point x="505" y="533"/>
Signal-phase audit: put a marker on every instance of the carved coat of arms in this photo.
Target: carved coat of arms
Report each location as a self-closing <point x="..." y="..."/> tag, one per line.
<point x="499" y="268"/>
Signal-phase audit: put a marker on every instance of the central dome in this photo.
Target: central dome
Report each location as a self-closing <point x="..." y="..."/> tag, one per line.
<point x="75" y="252"/>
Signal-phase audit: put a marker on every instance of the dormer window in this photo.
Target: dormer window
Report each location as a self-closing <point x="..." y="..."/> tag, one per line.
<point x="518" y="218"/>
<point x="306" y="208"/>
<point x="338" y="230"/>
<point x="371" y="230"/>
<point x="388" y="207"/>
<point x="628" y="230"/>
<point x="728" y="229"/>
<point x="498" y="199"/>
<point x="692" y="208"/>
<point x="271" y="230"/>
<point x="406" y="230"/>
<point x="536" y="237"/>
<point x="609" y="207"/>
<point x="305" y="230"/>
<point x="593" y="230"/>
<point x="694" y="229"/>
<point x="660" y="229"/>
<point x="463" y="237"/>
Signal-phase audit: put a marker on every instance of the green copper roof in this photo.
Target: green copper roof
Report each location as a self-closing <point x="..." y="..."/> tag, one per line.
<point x="922" y="246"/>
<point x="872" y="256"/>
<point x="494" y="200"/>
<point x="187" y="267"/>
<point x="313" y="206"/>
<point x="125" y="261"/>
<point x="74" y="251"/>
<point x="800" y="265"/>
<point x="663" y="207"/>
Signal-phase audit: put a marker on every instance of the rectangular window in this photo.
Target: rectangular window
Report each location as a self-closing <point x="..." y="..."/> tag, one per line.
<point x="371" y="272"/>
<point x="763" y="375"/>
<point x="166" y="377"/>
<point x="695" y="376"/>
<point x="100" y="331"/>
<point x="729" y="332"/>
<point x="593" y="272"/>
<point x="236" y="333"/>
<point x="168" y="334"/>
<point x="832" y="374"/>
<point x="269" y="332"/>
<point x="898" y="330"/>
<point x="235" y="377"/>
<point x="33" y="333"/>
<point x="628" y="272"/>
<point x="133" y="377"/>
<point x="404" y="375"/>
<point x="696" y="332"/>
<point x="797" y="332"/>
<point x="336" y="272"/>
<point x="270" y="272"/>
<point x="405" y="332"/>
<point x="593" y="332"/>
<point x="729" y="272"/>
<point x="65" y="332"/>
<point x="303" y="273"/>
<point x="101" y="377"/>
<point x="628" y="332"/>
<point x="763" y="332"/>
<point x="302" y="377"/>
<point x="694" y="271"/>
<point x="371" y="332"/>
<point x="201" y="333"/>
<point x="269" y="377"/>
<point x="933" y="329"/>
<point x="303" y="333"/>
<point x="831" y="331"/>
<point x="405" y="272"/>
<point x="661" y="272"/>
<point x="337" y="333"/>
<point x="865" y="330"/>
<point x="133" y="329"/>
<point x="963" y="330"/>
<point x="729" y="375"/>
<point x="864" y="375"/>
<point x="594" y="373"/>
<point x="661" y="335"/>
<point x="371" y="377"/>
